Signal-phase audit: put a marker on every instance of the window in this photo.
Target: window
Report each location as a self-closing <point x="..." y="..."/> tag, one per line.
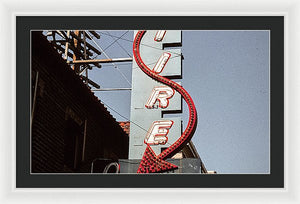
<point x="73" y="144"/>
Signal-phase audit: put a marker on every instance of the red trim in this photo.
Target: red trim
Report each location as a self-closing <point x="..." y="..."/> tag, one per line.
<point x="192" y="123"/>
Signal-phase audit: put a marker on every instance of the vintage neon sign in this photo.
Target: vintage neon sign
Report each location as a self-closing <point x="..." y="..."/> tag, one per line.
<point x="162" y="94"/>
<point x="152" y="163"/>
<point x="158" y="132"/>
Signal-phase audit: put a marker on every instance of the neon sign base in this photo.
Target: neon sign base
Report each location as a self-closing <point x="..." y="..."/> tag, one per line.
<point x="152" y="164"/>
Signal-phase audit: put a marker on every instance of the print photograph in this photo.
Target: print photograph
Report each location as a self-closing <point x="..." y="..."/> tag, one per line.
<point x="143" y="105"/>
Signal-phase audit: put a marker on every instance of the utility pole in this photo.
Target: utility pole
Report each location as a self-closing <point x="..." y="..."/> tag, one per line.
<point x="76" y="67"/>
<point x="73" y="44"/>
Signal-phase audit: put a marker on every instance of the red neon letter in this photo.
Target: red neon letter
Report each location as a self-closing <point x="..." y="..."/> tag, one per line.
<point x="161" y="63"/>
<point x="158" y="132"/>
<point x="160" y="35"/>
<point x="162" y="94"/>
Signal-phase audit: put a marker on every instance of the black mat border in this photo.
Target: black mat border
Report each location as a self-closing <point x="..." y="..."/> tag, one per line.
<point x="26" y="23"/>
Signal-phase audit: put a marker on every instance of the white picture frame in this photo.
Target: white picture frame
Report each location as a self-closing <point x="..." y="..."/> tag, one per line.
<point x="290" y="9"/>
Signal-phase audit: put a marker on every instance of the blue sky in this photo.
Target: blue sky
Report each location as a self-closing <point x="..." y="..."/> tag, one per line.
<point x="227" y="75"/>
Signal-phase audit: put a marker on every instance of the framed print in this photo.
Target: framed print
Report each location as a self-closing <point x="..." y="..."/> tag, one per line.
<point x="75" y="142"/>
<point x="225" y="49"/>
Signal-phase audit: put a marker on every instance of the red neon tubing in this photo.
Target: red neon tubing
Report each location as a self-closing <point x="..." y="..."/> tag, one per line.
<point x="192" y="123"/>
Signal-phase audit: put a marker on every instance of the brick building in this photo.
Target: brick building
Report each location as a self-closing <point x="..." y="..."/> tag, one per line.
<point x="71" y="128"/>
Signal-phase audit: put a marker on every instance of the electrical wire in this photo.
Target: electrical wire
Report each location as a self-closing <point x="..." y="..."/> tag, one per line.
<point x="108" y="65"/>
<point x="140" y="44"/>
<point x="123" y="76"/>
<point x="108" y="58"/>
<point x="144" y="129"/>
<point x="116" y="40"/>
<point x="120" y="46"/>
<point x="128" y="119"/>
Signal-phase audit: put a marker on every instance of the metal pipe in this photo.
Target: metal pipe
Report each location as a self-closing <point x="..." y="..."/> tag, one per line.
<point x="100" y="61"/>
<point x="115" y="164"/>
<point x="92" y="165"/>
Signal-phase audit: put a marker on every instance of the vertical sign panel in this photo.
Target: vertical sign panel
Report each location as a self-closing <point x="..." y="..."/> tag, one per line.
<point x="149" y="98"/>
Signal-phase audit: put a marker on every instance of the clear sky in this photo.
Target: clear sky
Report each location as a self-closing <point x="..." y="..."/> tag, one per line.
<point x="227" y="75"/>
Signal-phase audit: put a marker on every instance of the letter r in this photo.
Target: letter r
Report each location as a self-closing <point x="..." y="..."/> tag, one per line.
<point x="161" y="94"/>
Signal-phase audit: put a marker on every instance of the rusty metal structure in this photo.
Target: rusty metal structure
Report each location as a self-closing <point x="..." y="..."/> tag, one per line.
<point x="79" y="49"/>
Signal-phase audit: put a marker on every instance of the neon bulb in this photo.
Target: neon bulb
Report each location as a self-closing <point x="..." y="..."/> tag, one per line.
<point x="161" y="94"/>
<point x="157" y="134"/>
<point x="160" y="34"/>
<point x="161" y="63"/>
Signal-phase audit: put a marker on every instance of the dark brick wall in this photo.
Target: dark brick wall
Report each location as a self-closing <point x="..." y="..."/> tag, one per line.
<point x="61" y="95"/>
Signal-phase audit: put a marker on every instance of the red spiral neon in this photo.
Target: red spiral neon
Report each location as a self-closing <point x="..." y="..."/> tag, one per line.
<point x="189" y="130"/>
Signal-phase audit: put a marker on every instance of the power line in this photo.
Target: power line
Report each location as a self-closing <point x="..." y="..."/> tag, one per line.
<point x="140" y="43"/>
<point x="120" y="46"/>
<point x="123" y="76"/>
<point x="128" y="119"/>
<point x="108" y="65"/>
<point x="116" y="40"/>
<point x="108" y="58"/>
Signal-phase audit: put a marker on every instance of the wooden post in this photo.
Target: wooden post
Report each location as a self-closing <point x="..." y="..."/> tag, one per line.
<point x="67" y="45"/>
<point x="76" y="67"/>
